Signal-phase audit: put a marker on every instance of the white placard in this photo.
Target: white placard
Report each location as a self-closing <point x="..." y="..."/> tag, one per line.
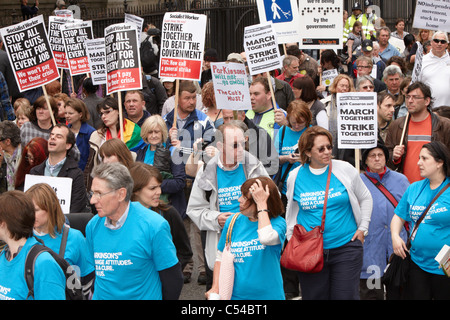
<point x="136" y="21"/>
<point x="231" y="88"/>
<point x="261" y="48"/>
<point x="328" y="77"/>
<point x="61" y="185"/>
<point x="95" y="50"/>
<point x="321" y="24"/>
<point x="432" y="15"/>
<point x="284" y="16"/>
<point x="357" y="120"/>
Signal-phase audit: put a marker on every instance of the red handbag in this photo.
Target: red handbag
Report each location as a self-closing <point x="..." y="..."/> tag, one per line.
<point x="304" y="251"/>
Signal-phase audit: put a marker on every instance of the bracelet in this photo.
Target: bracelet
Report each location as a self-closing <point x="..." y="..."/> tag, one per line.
<point x="266" y="210"/>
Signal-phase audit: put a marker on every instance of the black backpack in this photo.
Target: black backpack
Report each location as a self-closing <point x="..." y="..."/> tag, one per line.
<point x="148" y="57"/>
<point x="73" y="285"/>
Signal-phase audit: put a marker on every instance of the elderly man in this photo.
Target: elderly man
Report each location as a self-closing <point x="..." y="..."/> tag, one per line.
<point x="387" y="50"/>
<point x="436" y="69"/>
<point x="290" y="69"/>
<point x="393" y="77"/>
<point x="217" y="187"/>
<point x="364" y="66"/>
<point x="135" y="258"/>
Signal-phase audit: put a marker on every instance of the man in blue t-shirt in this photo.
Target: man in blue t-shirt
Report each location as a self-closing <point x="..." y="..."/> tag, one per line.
<point x="135" y="258"/>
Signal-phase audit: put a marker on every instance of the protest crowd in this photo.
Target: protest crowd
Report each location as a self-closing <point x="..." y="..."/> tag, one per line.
<point x="164" y="174"/>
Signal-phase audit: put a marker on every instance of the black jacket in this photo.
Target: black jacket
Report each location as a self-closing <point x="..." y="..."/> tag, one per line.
<point x="79" y="199"/>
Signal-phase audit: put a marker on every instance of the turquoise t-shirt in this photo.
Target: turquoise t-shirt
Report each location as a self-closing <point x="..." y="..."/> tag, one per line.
<point x="434" y="230"/>
<point x="49" y="279"/>
<point x="309" y="192"/>
<point x="128" y="259"/>
<point x="257" y="267"/>
<point x="229" y="188"/>
<point x="77" y="252"/>
<point x="286" y="147"/>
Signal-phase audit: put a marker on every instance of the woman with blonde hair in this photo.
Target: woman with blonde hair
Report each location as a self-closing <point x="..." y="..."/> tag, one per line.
<point x="50" y="227"/>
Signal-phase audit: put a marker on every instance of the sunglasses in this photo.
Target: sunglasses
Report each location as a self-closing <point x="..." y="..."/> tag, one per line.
<point x="322" y="148"/>
<point x="440" y="41"/>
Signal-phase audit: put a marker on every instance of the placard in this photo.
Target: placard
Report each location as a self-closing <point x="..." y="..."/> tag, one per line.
<point x="123" y="63"/>
<point x="95" y="50"/>
<point x="261" y="48"/>
<point x="74" y="35"/>
<point x="432" y="15"/>
<point x="29" y="53"/>
<point x="61" y="185"/>
<point x="182" y="45"/>
<point x="135" y="21"/>
<point x="56" y="40"/>
<point x="357" y="120"/>
<point x="284" y="16"/>
<point x="321" y="24"/>
<point x="231" y="88"/>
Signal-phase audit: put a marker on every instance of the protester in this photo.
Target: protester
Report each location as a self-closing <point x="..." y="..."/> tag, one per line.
<point x="61" y="99"/>
<point x="304" y="90"/>
<point x="17" y="220"/>
<point x="353" y="44"/>
<point x="377" y="244"/>
<point x="135" y="107"/>
<point x="10" y="154"/>
<point x="147" y="189"/>
<point x="91" y="100"/>
<point x="115" y="150"/>
<point x="347" y="218"/>
<point x="393" y="77"/>
<point x="77" y="116"/>
<point x="329" y="60"/>
<point x="400" y="103"/>
<point x="141" y="272"/>
<point x="426" y="280"/>
<point x="33" y="154"/>
<point x="387" y="50"/>
<point x="259" y="224"/>
<point x="370" y="50"/>
<point x="60" y="164"/>
<point x="364" y="66"/>
<point x="385" y="114"/>
<point x="22" y="110"/>
<point x="423" y="36"/>
<point x="399" y="32"/>
<point x="290" y="69"/>
<point x="49" y="226"/>
<point x="209" y="103"/>
<point x="307" y="65"/>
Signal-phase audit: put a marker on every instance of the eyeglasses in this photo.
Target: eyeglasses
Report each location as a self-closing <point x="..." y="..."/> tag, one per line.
<point x="322" y="148"/>
<point x="441" y="41"/>
<point x="414" y="97"/>
<point x="368" y="87"/>
<point x="101" y="195"/>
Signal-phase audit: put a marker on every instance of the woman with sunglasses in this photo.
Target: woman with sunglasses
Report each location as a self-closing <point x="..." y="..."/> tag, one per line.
<point x="348" y="211"/>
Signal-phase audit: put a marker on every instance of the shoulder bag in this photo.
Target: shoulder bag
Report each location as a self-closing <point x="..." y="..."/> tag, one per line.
<point x="226" y="274"/>
<point x="304" y="251"/>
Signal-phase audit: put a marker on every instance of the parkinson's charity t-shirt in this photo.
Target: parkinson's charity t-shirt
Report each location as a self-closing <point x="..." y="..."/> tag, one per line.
<point x="309" y="192"/>
<point x="128" y="259"/>
<point x="49" y="279"/>
<point x="76" y="253"/>
<point x="434" y="230"/>
<point x="229" y="184"/>
<point x="257" y="266"/>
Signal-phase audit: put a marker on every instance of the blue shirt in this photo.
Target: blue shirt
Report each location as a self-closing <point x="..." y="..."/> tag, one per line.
<point x="257" y="267"/>
<point x="434" y="230"/>
<point x="77" y="252"/>
<point x="49" y="279"/>
<point x="128" y="259"/>
<point x="229" y="184"/>
<point x="389" y="52"/>
<point x="340" y="224"/>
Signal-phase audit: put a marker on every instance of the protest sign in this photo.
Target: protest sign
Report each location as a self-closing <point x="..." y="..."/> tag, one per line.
<point x="61" y="185"/>
<point x="74" y="35"/>
<point x="432" y="15"/>
<point x="63" y="13"/>
<point x="123" y="65"/>
<point x="56" y="40"/>
<point x="29" y="53"/>
<point x="261" y="48"/>
<point x="182" y="45"/>
<point x="136" y="21"/>
<point x="230" y="85"/>
<point x="95" y="50"/>
<point x="321" y="24"/>
<point x="357" y="120"/>
<point x="284" y="16"/>
<point x="328" y="77"/>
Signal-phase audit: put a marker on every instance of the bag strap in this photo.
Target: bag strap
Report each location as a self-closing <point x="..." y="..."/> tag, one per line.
<point x="62" y="248"/>
<point x="383" y="190"/>
<point x="230" y="229"/>
<point x="326" y="198"/>
<point x="413" y="233"/>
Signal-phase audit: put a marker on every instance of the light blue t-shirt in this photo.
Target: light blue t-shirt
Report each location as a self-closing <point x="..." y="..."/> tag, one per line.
<point x="286" y="147"/>
<point x="229" y="184"/>
<point x="77" y="252"/>
<point x="309" y="192"/>
<point x="128" y="259"/>
<point x="257" y="267"/>
<point x="434" y="230"/>
<point x="49" y="279"/>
